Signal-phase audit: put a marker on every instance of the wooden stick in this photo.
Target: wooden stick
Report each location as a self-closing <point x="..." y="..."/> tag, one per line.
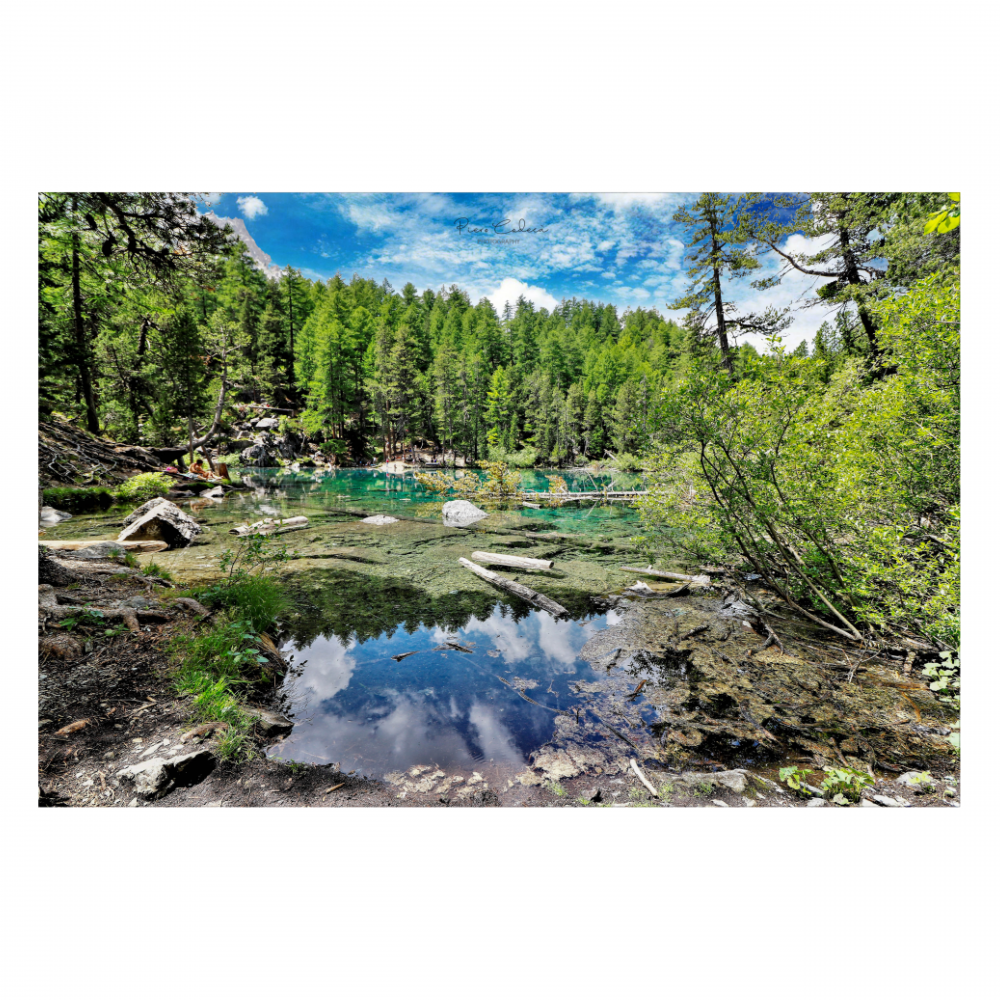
<point x="503" y="559"/>
<point x="525" y="593"/>
<point x="703" y="580"/>
<point x="643" y="778"/>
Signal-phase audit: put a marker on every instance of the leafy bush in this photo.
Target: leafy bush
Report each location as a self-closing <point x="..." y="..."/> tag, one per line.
<point x="627" y="462"/>
<point x="794" y="777"/>
<point x="844" y="784"/>
<point x="840" y="489"/>
<point x="78" y="501"/>
<point x="143" y="487"/>
<point x="946" y="682"/>
<point x="526" y="458"/>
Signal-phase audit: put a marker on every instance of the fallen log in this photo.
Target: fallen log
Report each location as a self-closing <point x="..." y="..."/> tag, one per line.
<point x="525" y="593"/>
<point x="702" y="580"/>
<point x="502" y="559"/>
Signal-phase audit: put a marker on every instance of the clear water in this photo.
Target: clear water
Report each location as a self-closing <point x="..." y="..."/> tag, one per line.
<point x="400" y="494"/>
<point x="356" y="706"/>
<point x="364" y="594"/>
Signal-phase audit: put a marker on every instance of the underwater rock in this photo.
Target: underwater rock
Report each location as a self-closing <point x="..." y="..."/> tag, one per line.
<point x="379" y="519"/>
<point x="459" y="513"/>
<point x="269" y="723"/>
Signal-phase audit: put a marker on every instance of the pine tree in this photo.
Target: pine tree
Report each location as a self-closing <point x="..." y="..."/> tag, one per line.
<point x="715" y="252"/>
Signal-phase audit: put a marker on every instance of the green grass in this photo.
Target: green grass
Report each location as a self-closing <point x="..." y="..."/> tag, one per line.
<point x="212" y="665"/>
<point x="153" y="568"/>
<point x="257" y="600"/>
<point x="128" y="559"/>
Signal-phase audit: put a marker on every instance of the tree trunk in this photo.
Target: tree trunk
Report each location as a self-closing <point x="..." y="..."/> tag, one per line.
<point x="82" y="350"/>
<point x="720" y="318"/>
<point x="853" y="278"/>
<point x="291" y="338"/>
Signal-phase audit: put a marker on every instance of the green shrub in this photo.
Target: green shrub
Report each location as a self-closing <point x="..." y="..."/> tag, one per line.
<point x="78" y="501"/>
<point x="627" y="462"/>
<point x="526" y="458"/>
<point x="143" y="487"/>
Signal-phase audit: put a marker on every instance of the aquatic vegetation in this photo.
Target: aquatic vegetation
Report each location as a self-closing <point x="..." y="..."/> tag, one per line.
<point x="501" y="484"/>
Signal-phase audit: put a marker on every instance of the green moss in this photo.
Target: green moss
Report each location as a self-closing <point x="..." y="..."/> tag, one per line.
<point x="81" y="500"/>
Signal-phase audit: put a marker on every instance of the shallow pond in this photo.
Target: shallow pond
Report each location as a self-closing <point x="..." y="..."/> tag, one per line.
<point x="498" y="692"/>
<point x="456" y="698"/>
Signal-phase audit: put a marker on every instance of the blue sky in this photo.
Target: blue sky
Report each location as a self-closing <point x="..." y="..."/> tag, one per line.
<point x="617" y="248"/>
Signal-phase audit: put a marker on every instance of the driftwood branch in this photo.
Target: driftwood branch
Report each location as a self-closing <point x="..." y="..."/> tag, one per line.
<point x="635" y="767"/>
<point x="525" y="593"/>
<point x="702" y="580"/>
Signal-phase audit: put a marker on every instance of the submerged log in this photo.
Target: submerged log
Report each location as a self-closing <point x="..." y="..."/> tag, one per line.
<point x="525" y="593"/>
<point x="702" y="580"/>
<point x="270" y="527"/>
<point x="503" y="559"/>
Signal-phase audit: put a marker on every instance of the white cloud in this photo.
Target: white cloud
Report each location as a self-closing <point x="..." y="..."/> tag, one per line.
<point x="510" y="289"/>
<point x="251" y="206"/>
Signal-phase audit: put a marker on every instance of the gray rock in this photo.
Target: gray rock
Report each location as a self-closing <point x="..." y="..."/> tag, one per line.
<point x="49" y="515"/>
<point x="163" y="521"/>
<point x="152" y="779"/>
<point x="884" y="800"/>
<point x="144" y="509"/>
<point x="719" y="802"/>
<point x="735" y="780"/>
<point x="459" y="513"/>
<point x="269" y="723"/>
<point x="592" y="795"/>
<point x="99" y="550"/>
<point x="919" y="782"/>
<point x="267" y="423"/>
<point x="868" y="804"/>
<point x="379" y="519"/>
<point x="139" y="602"/>
<point x="812" y="803"/>
<point x="261" y="453"/>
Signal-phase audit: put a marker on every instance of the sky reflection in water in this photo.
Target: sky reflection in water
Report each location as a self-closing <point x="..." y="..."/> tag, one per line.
<point x="356" y="706"/>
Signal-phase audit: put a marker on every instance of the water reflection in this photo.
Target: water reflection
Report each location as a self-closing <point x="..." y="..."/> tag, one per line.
<point x="353" y="704"/>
